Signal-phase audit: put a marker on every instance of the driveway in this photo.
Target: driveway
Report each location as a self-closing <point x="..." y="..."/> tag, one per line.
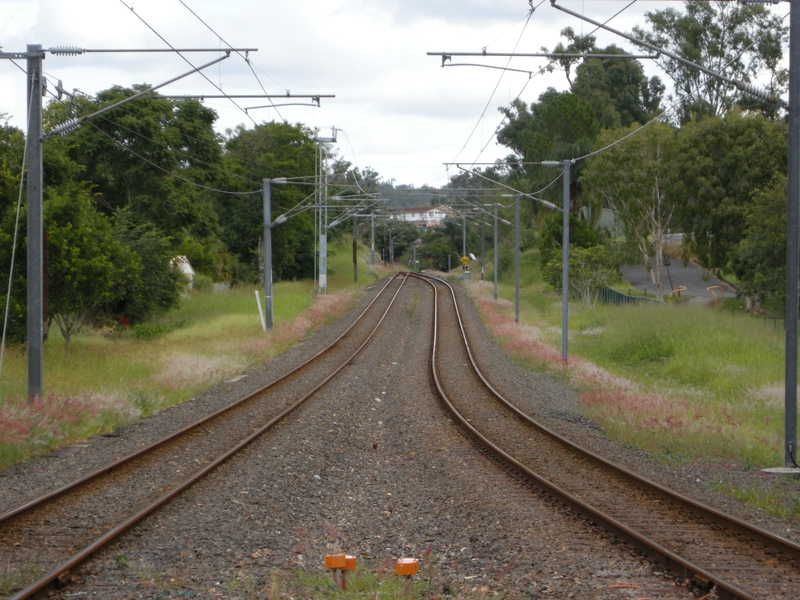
<point x="695" y="279"/>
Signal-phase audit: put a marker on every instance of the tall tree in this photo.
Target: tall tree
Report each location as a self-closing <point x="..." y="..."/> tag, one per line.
<point x="150" y="157"/>
<point x="743" y="41"/>
<point x="633" y="179"/>
<point x="721" y="163"/>
<point x="269" y="150"/>
<point x="89" y="270"/>
<point x="759" y="258"/>
<point x="617" y="88"/>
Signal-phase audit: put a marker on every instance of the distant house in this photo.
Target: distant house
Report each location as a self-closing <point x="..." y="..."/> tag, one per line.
<point x="426" y="216"/>
<point x="185" y="267"/>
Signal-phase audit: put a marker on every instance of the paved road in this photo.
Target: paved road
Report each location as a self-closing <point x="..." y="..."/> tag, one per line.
<point x="693" y="277"/>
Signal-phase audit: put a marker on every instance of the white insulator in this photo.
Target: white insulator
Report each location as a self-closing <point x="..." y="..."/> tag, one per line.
<point x="67" y="127"/>
<point x="749" y="88"/>
<point x="66" y="50"/>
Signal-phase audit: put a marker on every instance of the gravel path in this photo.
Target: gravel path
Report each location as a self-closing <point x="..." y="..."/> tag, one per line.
<point x="370" y="467"/>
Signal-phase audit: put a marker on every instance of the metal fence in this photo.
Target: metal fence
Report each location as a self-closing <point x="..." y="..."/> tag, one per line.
<point x="609" y="296"/>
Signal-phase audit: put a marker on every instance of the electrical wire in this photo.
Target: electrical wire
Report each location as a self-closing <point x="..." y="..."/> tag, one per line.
<point x="16" y="233"/>
<point x="527" y="82"/>
<point x="142" y="136"/>
<point x="170" y="173"/>
<point x="246" y="59"/>
<point x="675" y="106"/>
<point x="497" y="85"/>
<point x="163" y="39"/>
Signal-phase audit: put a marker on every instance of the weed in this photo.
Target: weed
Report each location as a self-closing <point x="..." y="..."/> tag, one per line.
<point x="13" y="581"/>
<point x="121" y="562"/>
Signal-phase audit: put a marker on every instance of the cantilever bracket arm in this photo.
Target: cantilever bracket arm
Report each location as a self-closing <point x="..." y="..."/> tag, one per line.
<point x="73" y="124"/>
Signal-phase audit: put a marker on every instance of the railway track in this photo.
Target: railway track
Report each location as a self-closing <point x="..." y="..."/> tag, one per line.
<point x="59" y="530"/>
<point x="714" y="553"/>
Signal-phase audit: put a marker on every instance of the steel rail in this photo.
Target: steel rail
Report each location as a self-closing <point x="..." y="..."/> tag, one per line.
<point x="645" y="544"/>
<point x="777" y="543"/>
<point x="23" y="508"/>
<point x="46" y="580"/>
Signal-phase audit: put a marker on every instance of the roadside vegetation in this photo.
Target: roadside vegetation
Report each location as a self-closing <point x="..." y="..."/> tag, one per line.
<point x="685" y="383"/>
<point x="111" y="377"/>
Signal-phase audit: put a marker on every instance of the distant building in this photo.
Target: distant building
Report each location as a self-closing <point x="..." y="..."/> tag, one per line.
<point x="184" y="266"/>
<point x="423" y="216"/>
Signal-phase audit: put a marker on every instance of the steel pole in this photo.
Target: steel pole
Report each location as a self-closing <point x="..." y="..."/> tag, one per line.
<point x="483" y="242"/>
<point x="516" y="258"/>
<point x="565" y="267"/>
<point x="355" y="249"/>
<point x="35" y="273"/>
<point x="792" y="243"/>
<point x="372" y="238"/>
<point x="464" y="234"/>
<point x="495" y="252"/>
<point x="267" y="254"/>
<point x="414" y="258"/>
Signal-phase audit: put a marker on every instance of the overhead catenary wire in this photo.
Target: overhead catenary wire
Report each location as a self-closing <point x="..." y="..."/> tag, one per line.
<point x="497" y="85"/>
<point x="163" y="39"/>
<point x="674" y="107"/>
<point x="527" y="82"/>
<point x="16" y="234"/>
<point x="246" y="58"/>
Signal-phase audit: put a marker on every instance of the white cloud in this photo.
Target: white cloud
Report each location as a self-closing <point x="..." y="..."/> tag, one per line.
<point x="404" y="114"/>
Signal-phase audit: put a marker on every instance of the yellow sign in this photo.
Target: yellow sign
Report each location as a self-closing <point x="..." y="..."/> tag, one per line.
<point x="465" y="260"/>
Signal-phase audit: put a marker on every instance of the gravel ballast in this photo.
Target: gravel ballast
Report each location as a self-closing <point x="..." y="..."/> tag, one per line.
<point x="371" y="466"/>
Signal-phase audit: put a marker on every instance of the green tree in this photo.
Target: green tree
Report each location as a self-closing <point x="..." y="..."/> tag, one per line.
<point x="721" y="163"/>
<point x="741" y="41"/>
<point x="616" y="88"/>
<point x="158" y="286"/>
<point x="89" y="270"/>
<point x="551" y="239"/>
<point x="633" y="178"/>
<point x="12" y="142"/>
<point x="590" y="270"/>
<point x="150" y="157"/>
<point x="559" y="126"/>
<point x="759" y="258"/>
<point x="269" y="150"/>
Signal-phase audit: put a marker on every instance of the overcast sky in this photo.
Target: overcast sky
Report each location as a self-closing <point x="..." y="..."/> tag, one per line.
<point x="400" y="112"/>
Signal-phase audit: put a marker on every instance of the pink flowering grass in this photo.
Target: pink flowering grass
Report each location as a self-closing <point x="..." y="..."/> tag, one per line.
<point x="116" y="382"/>
<point x="670" y="424"/>
<point x="27" y="429"/>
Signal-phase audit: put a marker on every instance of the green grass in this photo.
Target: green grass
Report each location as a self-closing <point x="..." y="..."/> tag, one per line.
<point x="683" y="382"/>
<point x="109" y="378"/>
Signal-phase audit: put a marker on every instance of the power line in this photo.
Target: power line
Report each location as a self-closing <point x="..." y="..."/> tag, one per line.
<point x="184" y="58"/>
<point x="539" y="72"/>
<point x="246" y="58"/>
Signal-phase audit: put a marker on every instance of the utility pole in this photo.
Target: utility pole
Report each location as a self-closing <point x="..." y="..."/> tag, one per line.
<point x="355" y="249"/>
<point x="483" y="242"/>
<point x="565" y="266"/>
<point x="35" y="273"/>
<point x="792" y="242"/>
<point x="36" y="86"/>
<point x="495" y="252"/>
<point x="516" y="258"/>
<point x="391" y="249"/>
<point x="323" y="190"/>
<point x="267" y="192"/>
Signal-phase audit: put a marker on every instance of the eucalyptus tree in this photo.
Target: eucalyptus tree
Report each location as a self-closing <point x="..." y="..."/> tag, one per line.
<point x="634" y="179"/>
<point x="743" y="41"/>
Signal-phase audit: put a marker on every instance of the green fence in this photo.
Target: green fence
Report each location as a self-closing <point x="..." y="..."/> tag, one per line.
<point x="609" y="296"/>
